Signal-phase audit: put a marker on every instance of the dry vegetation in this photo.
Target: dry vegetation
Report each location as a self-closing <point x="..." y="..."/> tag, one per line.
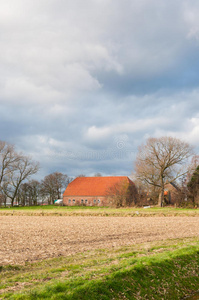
<point x="31" y="238"/>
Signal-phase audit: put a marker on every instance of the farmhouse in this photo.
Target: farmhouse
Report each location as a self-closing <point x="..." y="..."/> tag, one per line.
<point x="94" y="191"/>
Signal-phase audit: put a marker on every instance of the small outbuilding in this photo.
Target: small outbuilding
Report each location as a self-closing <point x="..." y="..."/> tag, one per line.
<point x="171" y="193"/>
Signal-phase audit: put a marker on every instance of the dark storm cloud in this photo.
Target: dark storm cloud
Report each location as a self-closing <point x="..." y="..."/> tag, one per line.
<point x="82" y="84"/>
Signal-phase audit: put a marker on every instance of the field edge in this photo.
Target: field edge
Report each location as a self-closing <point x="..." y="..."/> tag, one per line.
<point x="171" y="273"/>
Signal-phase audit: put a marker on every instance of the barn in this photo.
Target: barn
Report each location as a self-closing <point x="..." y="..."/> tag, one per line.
<point x="93" y="191"/>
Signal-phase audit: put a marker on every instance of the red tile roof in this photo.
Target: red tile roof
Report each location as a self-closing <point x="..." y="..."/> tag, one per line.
<point x="93" y="186"/>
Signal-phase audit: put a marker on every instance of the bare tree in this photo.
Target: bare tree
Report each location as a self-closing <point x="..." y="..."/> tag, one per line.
<point x="20" y="170"/>
<point x="29" y="192"/>
<point x="2" y="199"/>
<point x="98" y="175"/>
<point x="23" y="195"/>
<point x="34" y="188"/>
<point x="122" y="194"/>
<point x="161" y="161"/>
<point x="8" y="160"/>
<point x="192" y="167"/>
<point x="193" y="186"/>
<point x="52" y="186"/>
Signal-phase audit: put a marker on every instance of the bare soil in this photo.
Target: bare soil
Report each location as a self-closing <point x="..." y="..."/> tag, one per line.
<point x="31" y="238"/>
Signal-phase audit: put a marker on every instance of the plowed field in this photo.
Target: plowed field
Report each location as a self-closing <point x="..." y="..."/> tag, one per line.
<point x="31" y="238"/>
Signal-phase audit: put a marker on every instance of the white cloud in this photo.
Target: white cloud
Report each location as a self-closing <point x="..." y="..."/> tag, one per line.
<point x="55" y="48"/>
<point x="79" y="76"/>
<point x="192" y="134"/>
<point x="191" y="10"/>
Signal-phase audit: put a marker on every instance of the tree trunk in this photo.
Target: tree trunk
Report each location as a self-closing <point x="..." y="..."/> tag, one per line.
<point x="161" y="197"/>
<point x="5" y="201"/>
<point x="12" y="201"/>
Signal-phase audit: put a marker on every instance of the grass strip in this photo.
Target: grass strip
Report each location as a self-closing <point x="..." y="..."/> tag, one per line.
<point x="167" y="270"/>
<point x="51" y="210"/>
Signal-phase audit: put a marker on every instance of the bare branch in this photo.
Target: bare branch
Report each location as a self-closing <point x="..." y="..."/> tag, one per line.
<point x="161" y="160"/>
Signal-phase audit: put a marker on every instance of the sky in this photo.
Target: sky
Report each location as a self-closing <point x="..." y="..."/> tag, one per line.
<point x="84" y="83"/>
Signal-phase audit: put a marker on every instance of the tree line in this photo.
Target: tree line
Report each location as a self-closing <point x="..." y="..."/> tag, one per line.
<point x="46" y="191"/>
<point x="16" y="185"/>
<point x="159" y="162"/>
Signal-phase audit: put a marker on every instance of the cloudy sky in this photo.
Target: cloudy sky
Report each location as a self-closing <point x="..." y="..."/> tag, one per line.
<point x="84" y="83"/>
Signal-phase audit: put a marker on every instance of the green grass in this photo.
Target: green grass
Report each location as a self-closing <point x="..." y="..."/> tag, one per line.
<point x="98" y="211"/>
<point x="49" y="207"/>
<point x="158" y="270"/>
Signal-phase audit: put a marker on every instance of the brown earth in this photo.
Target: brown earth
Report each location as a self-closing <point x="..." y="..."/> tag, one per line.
<point x="31" y="238"/>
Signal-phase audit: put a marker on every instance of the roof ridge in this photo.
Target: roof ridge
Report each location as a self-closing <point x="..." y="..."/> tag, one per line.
<point x="93" y="186"/>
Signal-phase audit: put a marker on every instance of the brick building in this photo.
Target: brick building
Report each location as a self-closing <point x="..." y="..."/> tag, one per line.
<point x="92" y="191"/>
<point x="171" y="194"/>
